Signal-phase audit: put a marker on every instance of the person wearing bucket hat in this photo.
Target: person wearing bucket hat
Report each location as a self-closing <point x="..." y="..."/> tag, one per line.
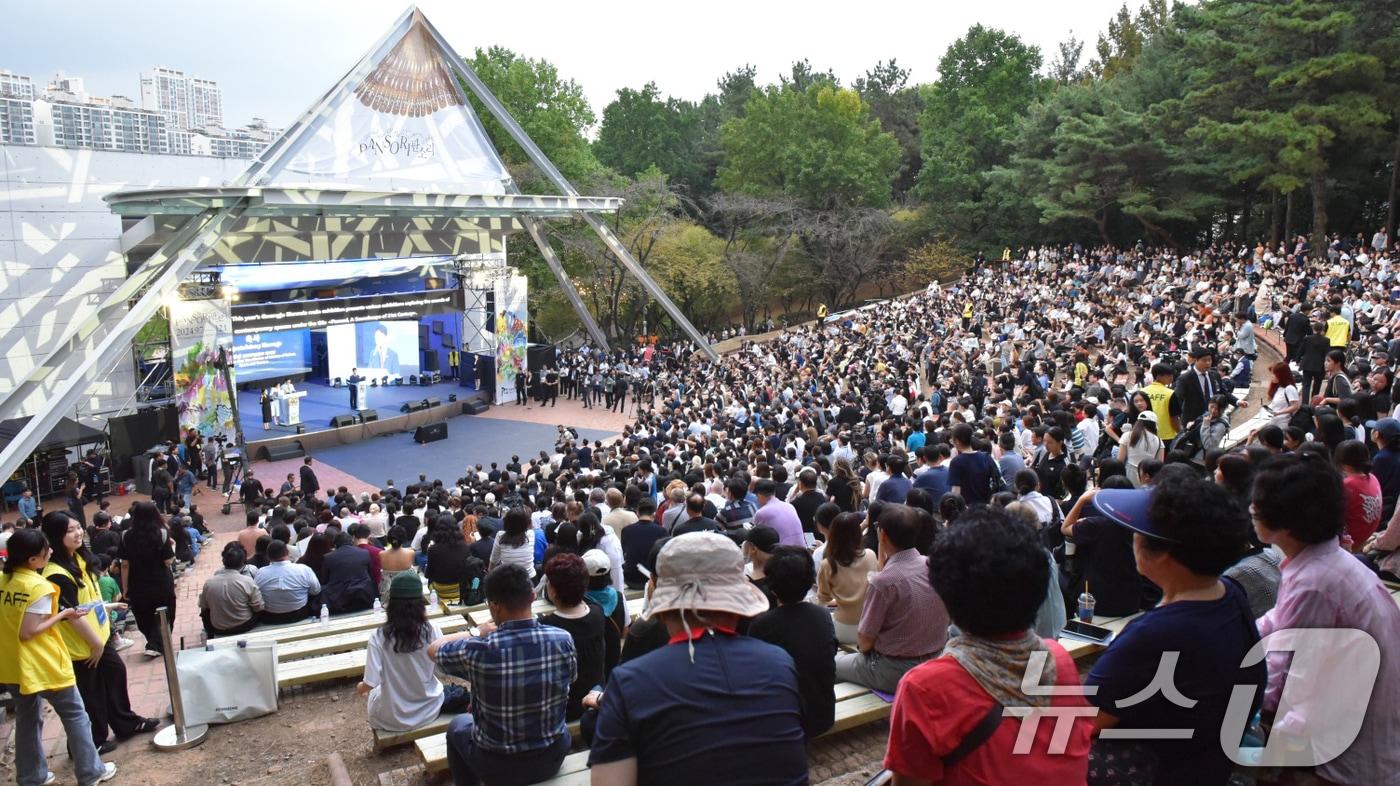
<point x="402" y="690"/>
<point x="1186" y="533"/>
<point x="664" y="715"/>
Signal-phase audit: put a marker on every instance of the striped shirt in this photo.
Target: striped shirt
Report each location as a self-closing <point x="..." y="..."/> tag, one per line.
<point x="520" y="677"/>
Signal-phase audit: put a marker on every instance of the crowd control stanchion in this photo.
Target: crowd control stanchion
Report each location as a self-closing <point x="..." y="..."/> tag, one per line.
<point x="176" y="736"/>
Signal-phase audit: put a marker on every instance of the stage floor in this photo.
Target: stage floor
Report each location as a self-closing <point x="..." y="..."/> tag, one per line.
<point x="323" y="402"/>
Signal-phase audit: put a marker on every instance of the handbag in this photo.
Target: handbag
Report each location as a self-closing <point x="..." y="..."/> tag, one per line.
<point x="228" y="684"/>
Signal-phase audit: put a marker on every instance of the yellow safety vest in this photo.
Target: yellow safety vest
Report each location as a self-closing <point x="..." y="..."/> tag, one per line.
<point x="1161" y="397"/>
<point x="42" y="663"/>
<point x="1338" y="331"/>
<point x="89" y="592"/>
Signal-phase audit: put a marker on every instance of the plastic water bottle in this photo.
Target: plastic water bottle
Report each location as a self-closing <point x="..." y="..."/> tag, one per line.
<point x="1086" y="605"/>
<point x="378" y="606"/>
<point x="325" y="615"/>
<point x="433" y="598"/>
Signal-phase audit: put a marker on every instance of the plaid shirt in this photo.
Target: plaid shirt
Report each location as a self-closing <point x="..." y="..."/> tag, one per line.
<point x="520" y="677"/>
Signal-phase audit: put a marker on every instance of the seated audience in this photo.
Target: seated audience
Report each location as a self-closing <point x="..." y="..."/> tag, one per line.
<point x="804" y="631"/>
<point x="290" y="591"/>
<point x="348" y="586"/>
<point x="903" y="622"/>
<point x="1186" y="531"/>
<point x="515" y="730"/>
<point x="948" y="723"/>
<point x="844" y="575"/>
<point x="1298" y="508"/>
<point x="712" y="706"/>
<point x="230" y="602"/>
<point x="402" y="690"/>
<point x="567" y="582"/>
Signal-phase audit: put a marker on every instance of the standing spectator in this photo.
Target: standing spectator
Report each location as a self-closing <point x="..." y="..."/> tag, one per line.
<point x="520" y="671"/>
<point x="1139" y="445"/>
<point x="1312" y="357"/>
<point x="803" y="631"/>
<point x="146" y="554"/>
<point x="162" y="484"/>
<point x="310" y="484"/>
<point x="903" y="622"/>
<point x="971" y="473"/>
<point x="28" y="506"/>
<point x="637" y="540"/>
<point x="664" y="715"/>
<point x="98" y="669"/>
<point x="991" y="571"/>
<point x="35" y="662"/>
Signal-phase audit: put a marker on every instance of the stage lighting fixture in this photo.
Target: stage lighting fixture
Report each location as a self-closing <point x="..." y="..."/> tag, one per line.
<point x="374" y="383"/>
<point x="423" y="404"/>
<point x="337" y="383"/>
<point x="451" y="397"/>
<point x="412" y="379"/>
<point x="406" y="408"/>
<point x="384" y="381"/>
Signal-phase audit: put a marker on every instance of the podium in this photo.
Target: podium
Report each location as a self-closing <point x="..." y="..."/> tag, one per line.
<point x="361" y="396"/>
<point x="291" y="403"/>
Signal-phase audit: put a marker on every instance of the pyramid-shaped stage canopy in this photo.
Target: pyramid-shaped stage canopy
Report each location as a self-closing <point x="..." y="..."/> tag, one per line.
<point x="396" y="138"/>
<point x="395" y="141"/>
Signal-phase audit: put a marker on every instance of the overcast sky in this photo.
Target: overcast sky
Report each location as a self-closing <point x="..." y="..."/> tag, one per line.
<point x="274" y="57"/>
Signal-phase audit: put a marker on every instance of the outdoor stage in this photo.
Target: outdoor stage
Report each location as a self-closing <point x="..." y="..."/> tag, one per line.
<point x="323" y="402"/>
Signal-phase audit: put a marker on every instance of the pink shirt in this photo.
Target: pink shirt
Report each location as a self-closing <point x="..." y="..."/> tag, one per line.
<point x="1325" y="587"/>
<point x="902" y="612"/>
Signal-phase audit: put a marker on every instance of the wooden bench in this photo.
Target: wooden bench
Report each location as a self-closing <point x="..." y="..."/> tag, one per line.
<point x="542" y="607"/>
<point x="383" y="740"/>
<point x="855" y="706"/>
<point x="353" y="640"/>
<point x="433" y="750"/>
<point x="300" y="631"/>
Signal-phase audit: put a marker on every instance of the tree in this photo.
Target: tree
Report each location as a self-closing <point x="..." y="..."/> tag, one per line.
<point x="758" y="233"/>
<point x="641" y="130"/>
<point x="1303" y="91"/>
<point x="688" y="262"/>
<point x="1127" y="36"/>
<point x="896" y="104"/>
<point x="986" y="80"/>
<point x="1065" y="69"/>
<point x="847" y="247"/>
<point x="819" y="145"/>
<point x="553" y="111"/>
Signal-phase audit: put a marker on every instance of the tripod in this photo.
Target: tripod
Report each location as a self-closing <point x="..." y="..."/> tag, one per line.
<point x="232" y="477"/>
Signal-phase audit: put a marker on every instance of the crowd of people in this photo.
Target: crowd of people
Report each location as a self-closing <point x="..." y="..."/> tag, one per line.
<point x="913" y="497"/>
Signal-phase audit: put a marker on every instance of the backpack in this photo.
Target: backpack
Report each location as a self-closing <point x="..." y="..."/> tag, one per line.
<point x="472" y="591"/>
<point x="995" y="482"/>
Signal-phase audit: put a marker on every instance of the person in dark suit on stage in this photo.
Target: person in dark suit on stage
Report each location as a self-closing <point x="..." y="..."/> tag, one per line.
<point x="353" y="380"/>
<point x="310" y="484"/>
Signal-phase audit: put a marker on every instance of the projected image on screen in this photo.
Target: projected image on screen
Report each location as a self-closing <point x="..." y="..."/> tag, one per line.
<point x="377" y="349"/>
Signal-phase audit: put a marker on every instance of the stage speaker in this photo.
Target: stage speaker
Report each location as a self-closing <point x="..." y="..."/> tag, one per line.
<point x="341" y="421"/>
<point x="430" y="360"/>
<point x="285" y="450"/>
<point x="430" y="433"/>
<point x="369" y="416"/>
<point x="474" y="407"/>
<point x="434" y="402"/>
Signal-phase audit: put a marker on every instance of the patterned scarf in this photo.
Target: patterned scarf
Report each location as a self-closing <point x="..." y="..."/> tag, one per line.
<point x="999" y="666"/>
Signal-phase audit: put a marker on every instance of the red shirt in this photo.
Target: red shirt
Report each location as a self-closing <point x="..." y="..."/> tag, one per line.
<point x="1361" y="499"/>
<point x="939" y="703"/>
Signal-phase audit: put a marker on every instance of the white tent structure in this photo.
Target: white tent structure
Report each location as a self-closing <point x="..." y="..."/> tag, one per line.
<point x="392" y="160"/>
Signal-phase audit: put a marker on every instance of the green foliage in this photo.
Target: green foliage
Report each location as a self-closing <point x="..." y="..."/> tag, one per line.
<point x="640" y="130"/>
<point x="896" y="104"/>
<point x="553" y="111"/>
<point x="819" y="145"/>
<point x="987" y="80"/>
